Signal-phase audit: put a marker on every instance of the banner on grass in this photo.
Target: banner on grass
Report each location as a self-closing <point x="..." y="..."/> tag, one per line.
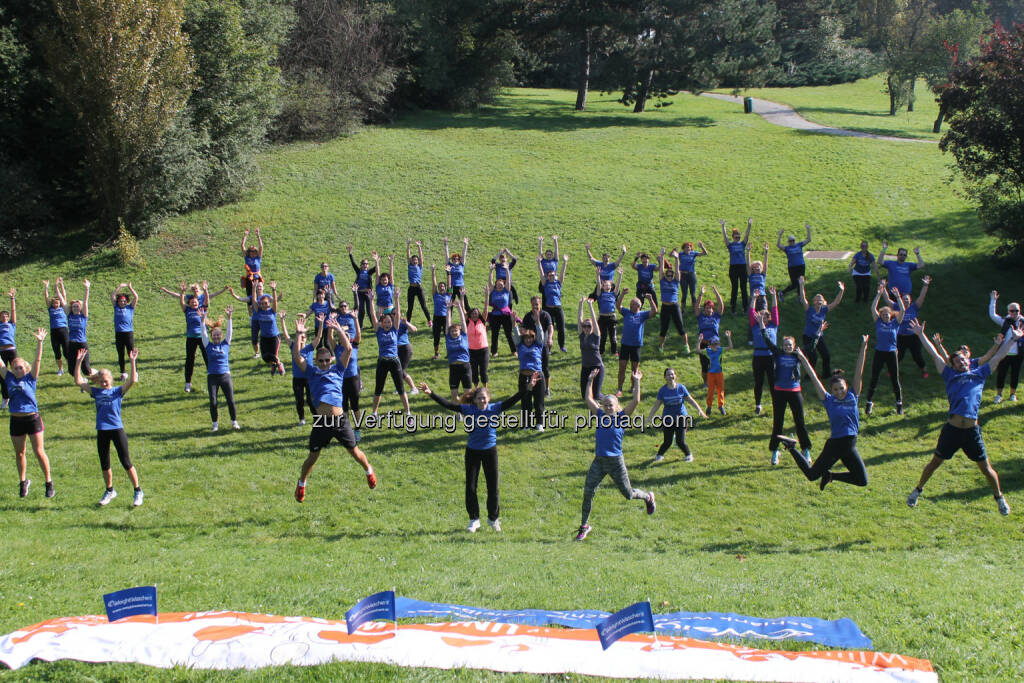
<point x="130" y="602"/>
<point x="377" y="606"/>
<point x="237" y="640"/>
<point x="702" y="625"/>
<point x="636" y="618"/>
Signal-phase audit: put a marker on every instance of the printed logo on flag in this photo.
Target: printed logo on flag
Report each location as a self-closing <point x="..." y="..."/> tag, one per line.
<point x="377" y="606"/>
<point x="636" y="617"/>
<point x="129" y="602"/>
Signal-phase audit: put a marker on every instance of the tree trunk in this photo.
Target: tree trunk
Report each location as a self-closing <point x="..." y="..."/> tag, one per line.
<point x="583" y="78"/>
<point x="890" y="82"/>
<point x="643" y="92"/>
<point x="937" y="126"/>
<point x="910" y="96"/>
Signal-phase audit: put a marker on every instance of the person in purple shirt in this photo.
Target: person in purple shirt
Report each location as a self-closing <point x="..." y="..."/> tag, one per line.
<point x="962" y="431"/>
<point x="737" y="262"/>
<point x="794" y="259"/>
<point x="905" y="338"/>
<point x="26" y="426"/>
<point x="887" y="325"/>
<point x="840" y="402"/>
<point x="900" y="269"/>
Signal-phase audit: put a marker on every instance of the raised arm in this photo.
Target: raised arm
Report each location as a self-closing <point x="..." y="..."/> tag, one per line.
<point x="839" y="296"/>
<point x="113" y="294"/>
<point x="227" y="333"/>
<point x="40" y="335"/>
<point x="79" y="379"/>
<point x="408" y="250"/>
<point x="764" y="266"/>
<point x="565" y="264"/>
<point x="703" y="249"/>
<point x="992" y="298"/>
<point x="465" y="249"/>
<point x="85" y="301"/>
<point x="858" y="372"/>
<point x="874" y="304"/>
<point x="721" y="302"/>
<point x="917" y="253"/>
<point x="635" y="401"/>
<point x="661" y="264"/>
<point x="917" y="328"/>
<point x="700" y="301"/>
<point x="588" y="395"/>
<point x="273" y="294"/>
<point x="202" y="328"/>
<point x="235" y="296"/>
<point x="808" y="239"/>
<point x="748" y="258"/>
<point x="554" y="238"/>
<point x="245" y="236"/>
<point x="540" y="246"/>
<point x="133" y="375"/>
<point x="433" y="279"/>
<point x="937" y="339"/>
<point x="725" y="236"/>
<point x="540" y="268"/>
<point x="903" y="307"/>
<point x="997" y="341"/>
<point x="46" y="292"/>
<point x="259" y="240"/>
<point x="881" y="256"/>
<point x="750" y="226"/>
<point x="809" y="372"/>
<point x="778" y="242"/>
<point x="802" y="293"/>
<point x="926" y="282"/>
<point x="579" y="316"/>
<point x="1012" y="337"/>
<point x="62" y="293"/>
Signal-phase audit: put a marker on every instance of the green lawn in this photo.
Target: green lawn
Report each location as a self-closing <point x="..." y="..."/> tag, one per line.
<point x="220" y="529"/>
<point x="862" y="106"/>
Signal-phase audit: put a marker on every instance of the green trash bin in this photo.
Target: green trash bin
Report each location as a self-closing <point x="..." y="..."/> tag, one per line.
<point x="748" y="105"/>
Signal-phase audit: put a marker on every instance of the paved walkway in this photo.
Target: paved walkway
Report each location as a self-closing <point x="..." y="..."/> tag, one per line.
<point x="783" y="115"/>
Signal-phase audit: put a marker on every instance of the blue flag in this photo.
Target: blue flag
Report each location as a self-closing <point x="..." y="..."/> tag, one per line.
<point x="636" y="617"/>
<point x="377" y="606"/>
<point x="129" y="602"/>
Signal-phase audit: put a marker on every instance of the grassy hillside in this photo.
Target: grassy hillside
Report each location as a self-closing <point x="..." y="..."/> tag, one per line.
<point x="220" y="528"/>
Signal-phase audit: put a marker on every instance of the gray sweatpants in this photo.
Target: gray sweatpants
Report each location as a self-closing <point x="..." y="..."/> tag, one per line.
<point x="616" y="469"/>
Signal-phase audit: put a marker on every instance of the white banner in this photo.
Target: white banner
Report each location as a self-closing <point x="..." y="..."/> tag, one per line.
<point x="239" y="640"/>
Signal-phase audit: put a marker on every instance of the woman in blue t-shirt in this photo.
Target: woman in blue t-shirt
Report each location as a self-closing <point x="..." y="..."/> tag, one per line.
<point x="325" y="280"/>
<point x="500" y="318"/>
<point x="78" y="325"/>
<point x="861" y="265"/>
<point x="455" y="266"/>
<point x="794" y="258"/>
<point x="709" y="317"/>
<point x="124" y="322"/>
<point x="217" y="343"/>
<point x="20" y="380"/>
<point x="905" y="338"/>
<point x="645" y="271"/>
<point x="253" y="257"/>
<point x="8" y="350"/>
<point x="109" y="428"/>
<point x="737" y="262"/>
<point x="57" y="310"/>
<point x="887" y="325"/>
<point x="674" y="419"/>
<point x="757" y="274"/>
<point x="388" y="328"/>
<point x="551" y="283"/>
<point x="481" y="417"/>
<point x="270" y="336"/>
<point x="814" y="316"/>
<point x="786" y="392"/>
<point x="607" y="297"/>
<point x="192" y="308"/>
<point x="687" y="266"/>
<point x="841" y="406"/>
<point x="671" y="306"/>
<point x="414" y="292"/>
<point x="364" y="283"/>
<point x="318" y="311"/>
<point x="441" y="300"/>
<point x="530" y="350"/>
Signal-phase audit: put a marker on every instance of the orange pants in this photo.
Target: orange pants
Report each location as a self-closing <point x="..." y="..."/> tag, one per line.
<point x="716" y="385"/>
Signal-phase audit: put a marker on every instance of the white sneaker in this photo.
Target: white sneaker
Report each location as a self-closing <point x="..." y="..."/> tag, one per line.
<point x="659" y="458"/>
<point x="124" y="376"/>
<point x="108" y="496"/>
<point x="496" y="524"/>
<point x="215" y="427"/>
<point x="302" y="422"/>
<point x="757" y="409"/>
<point x="235" y="425"/>
<point x="413" y="391"/>
<point x="255" y="356"/>
<point x="137" y="500"/>
<point x="3" y="404"/>
<point x="775" y="458"/>
<point x="60" y="373"/>
<point x="997" y="399"/>
<point x="688" y="458"/>
<point x="474" y="524"/>
<point x="912" y="498"/>
<point x="1013" y="397"/>
<point x="188" y="387"/>
<point x="1004" y="507"/>
<point x="540" y="428"/>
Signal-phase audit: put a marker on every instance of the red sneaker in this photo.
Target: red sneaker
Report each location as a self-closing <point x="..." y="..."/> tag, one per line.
<point x="371" y="480"/>
<point x="924" y="374"/>
<point x="300" y="492"/>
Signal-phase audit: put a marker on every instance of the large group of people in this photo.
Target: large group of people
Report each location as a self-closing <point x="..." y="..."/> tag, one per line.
<point x="329" y="333"/>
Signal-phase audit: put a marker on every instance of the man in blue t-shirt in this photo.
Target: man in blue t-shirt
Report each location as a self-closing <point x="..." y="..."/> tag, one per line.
<point x="964" y="385"/>
<point x="794" y="258"/>
<point x="900" y="269"/>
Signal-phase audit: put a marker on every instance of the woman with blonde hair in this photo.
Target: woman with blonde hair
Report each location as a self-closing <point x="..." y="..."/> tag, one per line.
<point x="20" y="378"/>
<point x="8" y="351"/>
<point x="57" y="309"/>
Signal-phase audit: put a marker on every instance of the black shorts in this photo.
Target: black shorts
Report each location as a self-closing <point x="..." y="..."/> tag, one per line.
<point x="953" y="439"/>
<point x="23" y="425"/>
<point x="458" y="373"/>
<point x="404" y="355"/>
<point x="327" y="427"/>
<point x="627" y="352"/>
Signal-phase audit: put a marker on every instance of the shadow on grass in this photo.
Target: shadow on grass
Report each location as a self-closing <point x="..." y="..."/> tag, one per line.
<point x="778" y="549"/>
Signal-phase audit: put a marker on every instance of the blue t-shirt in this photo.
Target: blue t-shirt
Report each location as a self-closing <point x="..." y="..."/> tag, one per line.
<point x="22" y="392"/>
<point x="531" y="357"/>
<point x="403" y="334"/>
<point x="58" y="317"/>
<point x="124" y="318"/>
<point x="387" y="342"/>
<point x="108" y="407"/>
<point x="757" y="283"/>
<point x="813" y="320"/>
<point x="458" y="273"/>
<point x="441" y="302"/>
<point x="324" y="282"/>
<point x="899" y="275"/>
<point x="458" y="348"/>
<point x="217" y="362"/>
<point x="385" y="296"/>
<point x="737" y="253"/>
<point x="607" y="269"/>
<point x="415" y="274"/>
<point x="501" y="270"/>
<point x="552" y="293"/>
<point x="885" y="334"/>
<point x="609" y="433"/>
<point x="842" y="415"/>
<point x="499" y="299"/>
<point x="794" y="254"/>
<point x="633" y="326"/>
<point x="326" y="386"/>
<point x="645" y="274"/>
<point x="548" y="265"/>
<point x="761" y="347"/>
<point x="708" y="324"/>
<point x="787" y="371"/>
<point x="606" y="302"/>
<point x="688" y="261"/>
<point x="7" y="331"/>
<point x="862" y="263"/>
<point x="673" y="400"/>
<point x="77" y="326"/>
<point x="908" y="317"/>
<point x="307" y="353"/>
<point x="193" y="323"/>
<point x="714" y="358"/>
<point x="964" y="390"/>
<point x="253" y="263"/>
<point x="482" y="434"/>
<point x="267" y="320"/>
<point x="319" y="308"/>
<point x="349" y="321"/>
<point x="352" y="369"/>
<point x="669" y="291"/>
<point x="363" y="279"/>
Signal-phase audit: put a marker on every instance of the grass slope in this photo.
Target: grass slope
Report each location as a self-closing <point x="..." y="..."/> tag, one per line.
<point x="220" y="528"/>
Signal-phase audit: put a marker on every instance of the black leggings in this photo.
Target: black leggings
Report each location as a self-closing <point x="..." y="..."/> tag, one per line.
<point x="501" y="321"/>
<point x="1009" y="364"/>
<point x="269" y="348"/>
<point x="303" y="397"/>
<point x="688" y="280"/>
<point x="909" y="341"/>
<point x="863" y="285"/>
<point x="104" y="437"/>
<point x="705" y="362"/>
<point x="812" y="351"/>
<point x="642" y="290"/>
<point x="362" y="301"/>
<point x="59" y="343"/>
<point x="350" y="387"/>
<point x="795" y="273"/>
<point x="672" y="313"/>
<point x="558" y="320"/>
<point x="213" y="384"/>
<point x="191" y="344"/>
<point x="533" y="399"/>
<point x="844" y="449"/>
<point x="124" y="341"/>
<point x="764" y="367"/>
<point x="437" y="327"/>
<point x="488" y="459"/>
<point x="413" y="294"/>
<point x="72" y="356"/>
<point x="889" y="361"/>
<point x="608" y="329"/>
<point x="458" y="373"/>
<point x="478" y="360"/>
<point x="254" y="332"/>
<point x="7" y="355"/>
<point x="585" y="375"/>
<point x="677" y="430"/>
<point x="385" y="367"/>
<point x="795" y="401"/>
<point x="738" y="279"/>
